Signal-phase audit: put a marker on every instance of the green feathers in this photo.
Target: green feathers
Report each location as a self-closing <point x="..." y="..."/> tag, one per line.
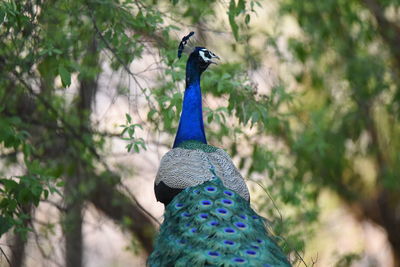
<point x="193" y="145"/>
<point x="210" y="225"/>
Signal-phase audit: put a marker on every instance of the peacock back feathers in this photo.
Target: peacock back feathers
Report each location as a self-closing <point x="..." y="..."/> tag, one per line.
<point x="190" y="163"/>
<point x="211" y="225"/>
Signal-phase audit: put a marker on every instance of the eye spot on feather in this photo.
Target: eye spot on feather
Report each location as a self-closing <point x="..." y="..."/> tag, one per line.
<point x="229" y="230"/>
<point x="228" y="193"/>
<point x="205" y="203"/>
<point x="196" y="191"/>
<point x="186" y="214"/>
<point x="244" y="217"/>
<point x="203" y="216"/>
<point x="211" y="189"/>
<point x="222" y="211"/>
<point x="178" y="205"/>
<point x="213" y="223"/>
<point x="239" y="260"/>
<point x="259" y="241"/>
<point x="193" y="230"/>
<point x="251" y="252"/>
<point x="227" y="202"/>
<point x="255" y="247"/>
<point x="240" y="225"/>
<point x="214" y="253"/>
<point x="229" y="242"/>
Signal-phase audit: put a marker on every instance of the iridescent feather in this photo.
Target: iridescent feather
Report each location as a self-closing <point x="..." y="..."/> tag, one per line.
<point x="211" y="225"/>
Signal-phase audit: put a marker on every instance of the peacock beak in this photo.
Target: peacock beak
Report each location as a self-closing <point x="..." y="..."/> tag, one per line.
<point x="212" y="57"/>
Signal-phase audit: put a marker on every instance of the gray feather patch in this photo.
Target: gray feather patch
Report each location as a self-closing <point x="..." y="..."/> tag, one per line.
<point x="181" y="168"/>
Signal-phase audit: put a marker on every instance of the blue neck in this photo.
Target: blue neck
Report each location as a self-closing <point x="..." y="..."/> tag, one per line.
<point x="191" y="125"/>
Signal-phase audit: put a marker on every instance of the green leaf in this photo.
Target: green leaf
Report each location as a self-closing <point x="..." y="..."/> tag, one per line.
<point x="210" y="117"/>
<point x="129" y="147"/>
<point x="46" y="193"/>
<point x="136" y="148"/>
<point x="65" y="76"/>
<point x="131" y="131"/>
<point x="2" y="16"/>
<point x="60" y="184"/>
<point x="128" y="118"/>
<point x="254" y="117"/>
<point x="5" y="225"/>
<point x="247" y="19"/>
<point x="232" y="22"/>
<point x="241" y="7"/>
<point x="151" y="113"/>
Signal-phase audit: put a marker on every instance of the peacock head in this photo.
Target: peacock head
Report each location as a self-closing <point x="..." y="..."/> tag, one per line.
<point x="199" y="56"/>
<point x="203" y="57"/>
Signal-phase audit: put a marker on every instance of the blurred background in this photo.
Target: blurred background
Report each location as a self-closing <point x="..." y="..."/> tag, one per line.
<point x="306" y="100"/>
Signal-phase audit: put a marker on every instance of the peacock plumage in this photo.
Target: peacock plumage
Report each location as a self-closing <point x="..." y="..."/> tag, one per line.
<point x="208" y="220"/>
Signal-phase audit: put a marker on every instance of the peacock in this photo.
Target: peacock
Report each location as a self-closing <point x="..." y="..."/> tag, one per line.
<point x="208" y="220"/>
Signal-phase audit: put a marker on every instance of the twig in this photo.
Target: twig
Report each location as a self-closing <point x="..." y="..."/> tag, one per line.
<point x="112" y="50"/>
<point x="42" y="252"/>
<point x="281" y="220"/>
<point x="53" y="110"/>
<point x="5" y="256"/>
<point x="270" y="197"/>
<point x="139" y="205"/>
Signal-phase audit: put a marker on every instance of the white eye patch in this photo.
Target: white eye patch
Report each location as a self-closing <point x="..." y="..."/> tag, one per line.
<point x="207" y="56"/>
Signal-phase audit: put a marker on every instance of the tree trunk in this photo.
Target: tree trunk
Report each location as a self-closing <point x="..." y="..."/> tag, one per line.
<point x="73" y="218"/>
<point x="73" y="223"/>
<point x="18" y="243"/>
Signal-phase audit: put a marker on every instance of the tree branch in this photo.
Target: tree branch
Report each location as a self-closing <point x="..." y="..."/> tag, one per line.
<point x="117" y="206"/>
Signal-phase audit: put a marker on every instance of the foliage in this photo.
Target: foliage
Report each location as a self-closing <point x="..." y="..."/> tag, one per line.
<point x="129" y="128"/>
<point x="25" y="189"/>
<point x="347" y="64"/>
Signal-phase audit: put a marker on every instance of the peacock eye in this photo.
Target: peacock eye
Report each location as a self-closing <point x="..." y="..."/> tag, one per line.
<point x="205" y="55"/>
